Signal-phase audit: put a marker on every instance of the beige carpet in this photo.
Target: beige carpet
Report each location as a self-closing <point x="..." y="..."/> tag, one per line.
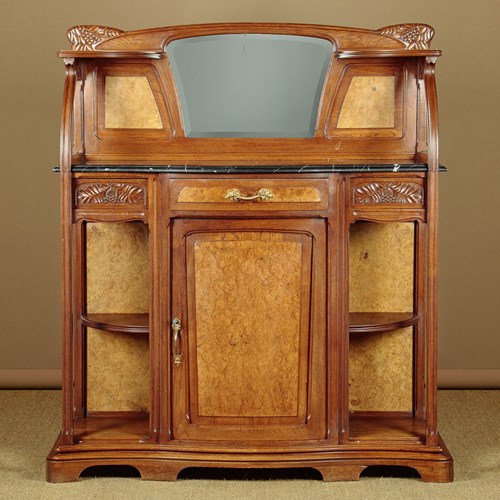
<point x="469" y="422"/>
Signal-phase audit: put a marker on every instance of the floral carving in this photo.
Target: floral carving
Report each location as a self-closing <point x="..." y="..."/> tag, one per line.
<point x="374" y="193"/>
<point x="88" y="37"/>
<point x="414" y="36"/>
<point x="130" y="194"/>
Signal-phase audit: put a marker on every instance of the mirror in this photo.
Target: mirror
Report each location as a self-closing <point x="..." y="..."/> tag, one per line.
<point x="250" y="85"/>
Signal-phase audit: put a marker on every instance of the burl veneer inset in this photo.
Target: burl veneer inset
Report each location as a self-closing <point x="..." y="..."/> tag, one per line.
<point x="368" y="103"/>
<point x="247" y="344"/>
<point x="117" y="282"/>
<point x="117" y="268"/>
<point x="129" y="103"/>
<point x="381" y="260"/>
<point x="380" y="371"/>
<point x="117" y="371"/>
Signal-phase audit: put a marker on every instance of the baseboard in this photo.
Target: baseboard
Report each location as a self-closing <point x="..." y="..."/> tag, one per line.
<point x="447" y="379"/>
<point x="469" y="379"/>
<point x="30" y="379"/>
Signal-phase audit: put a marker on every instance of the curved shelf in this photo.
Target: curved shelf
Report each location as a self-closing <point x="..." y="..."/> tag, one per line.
<point x="380" y="322"/>
<point x="118" y="323"/>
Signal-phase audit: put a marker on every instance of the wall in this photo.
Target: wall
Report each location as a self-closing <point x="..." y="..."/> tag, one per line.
<point x="31" y="90"/>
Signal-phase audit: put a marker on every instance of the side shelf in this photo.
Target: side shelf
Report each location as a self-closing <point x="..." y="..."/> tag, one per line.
<point x="380" y="322"/>
<point x="118" y="323"/>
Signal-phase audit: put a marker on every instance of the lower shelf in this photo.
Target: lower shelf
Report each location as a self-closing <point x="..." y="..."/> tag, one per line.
<point x="117" y="428"/>
<point x="386" y="428"/>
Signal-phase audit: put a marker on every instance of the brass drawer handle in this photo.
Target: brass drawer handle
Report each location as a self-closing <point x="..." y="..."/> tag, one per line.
<point x="176" y="328"/>
<point x="263" y="194"/>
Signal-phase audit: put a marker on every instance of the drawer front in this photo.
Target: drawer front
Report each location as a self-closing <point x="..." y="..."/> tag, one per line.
<point x="386" y="192"/>
<point x="248" y="194"/>
<point x="95" y="194"/>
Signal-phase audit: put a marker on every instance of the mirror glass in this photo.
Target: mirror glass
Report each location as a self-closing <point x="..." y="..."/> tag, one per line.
<point x="249" y="85"/>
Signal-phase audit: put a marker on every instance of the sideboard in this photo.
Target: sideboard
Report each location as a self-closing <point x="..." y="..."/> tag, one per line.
<point x="249" y="238"/>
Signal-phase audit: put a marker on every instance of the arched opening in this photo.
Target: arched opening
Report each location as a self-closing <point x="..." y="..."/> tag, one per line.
<point x="390" y="471"/>
<point x="110" y="471"/>
<point x="235" y="474"/>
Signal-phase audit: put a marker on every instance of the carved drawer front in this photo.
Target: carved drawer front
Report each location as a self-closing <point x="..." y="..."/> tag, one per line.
<point x="98" y="193"/>
<point x="373" y="193"/>
<point x="249" y="195"/>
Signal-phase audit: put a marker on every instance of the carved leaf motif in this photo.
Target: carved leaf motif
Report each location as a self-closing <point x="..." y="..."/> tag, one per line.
<point x="374" y="193"/>
<point x="88" y="37"/>
<point x="130" y="194"/>
<point x="414" y="36"/>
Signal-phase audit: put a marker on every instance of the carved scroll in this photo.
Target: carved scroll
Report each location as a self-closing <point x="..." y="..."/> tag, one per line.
<point x="88" y="37"/>
<point x="109" y="193"/>
<point x="375" y="193"/>
<point x="414" y="36"/>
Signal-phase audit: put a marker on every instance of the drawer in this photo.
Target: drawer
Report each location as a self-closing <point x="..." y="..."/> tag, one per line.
<point x="130" y="194"/>
<point x="249" y="195"/>
<point x="387" y="192"/>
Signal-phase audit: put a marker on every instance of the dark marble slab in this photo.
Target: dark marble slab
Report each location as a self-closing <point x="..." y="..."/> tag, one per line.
<point x="244" y="169"/>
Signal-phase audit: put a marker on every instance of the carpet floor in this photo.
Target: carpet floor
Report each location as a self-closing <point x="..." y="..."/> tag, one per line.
<point x="469" y="422"/>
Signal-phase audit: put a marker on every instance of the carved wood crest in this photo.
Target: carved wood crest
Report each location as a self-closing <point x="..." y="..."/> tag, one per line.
<point x="130" y="194"/>
<point x="375" y="193"/>
<point x="414" y="36"/>
<point x="85" y="37"/>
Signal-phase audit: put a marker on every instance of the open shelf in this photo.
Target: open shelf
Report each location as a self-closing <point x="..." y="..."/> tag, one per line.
<point x="118" y="323"/>
<point x="385" y="427"/>
<point x="380" y="322"/>
<point x="119" y="427"/>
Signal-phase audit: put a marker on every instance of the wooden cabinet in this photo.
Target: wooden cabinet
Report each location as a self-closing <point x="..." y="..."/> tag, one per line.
<point x="249" y="298"/>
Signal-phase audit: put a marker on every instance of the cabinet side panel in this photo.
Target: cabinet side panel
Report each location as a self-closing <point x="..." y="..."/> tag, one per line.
<point x="117" y="371"/>
<point x="381" y="266"/>
<point x="381" y="258"/>
<point x="117" y="268"/>
<point x="117" y="282"/>
<point x="248" y="291"/>
<point x="380" y="371"/>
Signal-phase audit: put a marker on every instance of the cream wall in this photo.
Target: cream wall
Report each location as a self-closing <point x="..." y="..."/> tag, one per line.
<point x="31" y="89"/>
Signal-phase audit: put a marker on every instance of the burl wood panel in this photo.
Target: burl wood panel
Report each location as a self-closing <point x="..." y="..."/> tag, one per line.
<point x="381" y="259"/>
<point x="117" y="371"/>
<point x="117" y="268"/>
<point x="117" y="282"/>
<point x="129" y="103"/>
<point x="368" y="103"/>
<point x="248" y="290"/>
<point x="380" y="371"/>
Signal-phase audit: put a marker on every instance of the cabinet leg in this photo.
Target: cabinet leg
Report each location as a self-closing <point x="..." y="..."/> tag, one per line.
<point x="340" y="472"/>
<point x="438" y="473"/>
<point x="63" y="472"/>
<point x="159" y="472"/>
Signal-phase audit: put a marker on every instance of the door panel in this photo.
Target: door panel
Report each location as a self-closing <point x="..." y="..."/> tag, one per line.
<point x="245" y="292"/>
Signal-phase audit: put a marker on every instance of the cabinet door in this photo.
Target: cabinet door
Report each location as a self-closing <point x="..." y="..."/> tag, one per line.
<point x="248" y="362"/>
